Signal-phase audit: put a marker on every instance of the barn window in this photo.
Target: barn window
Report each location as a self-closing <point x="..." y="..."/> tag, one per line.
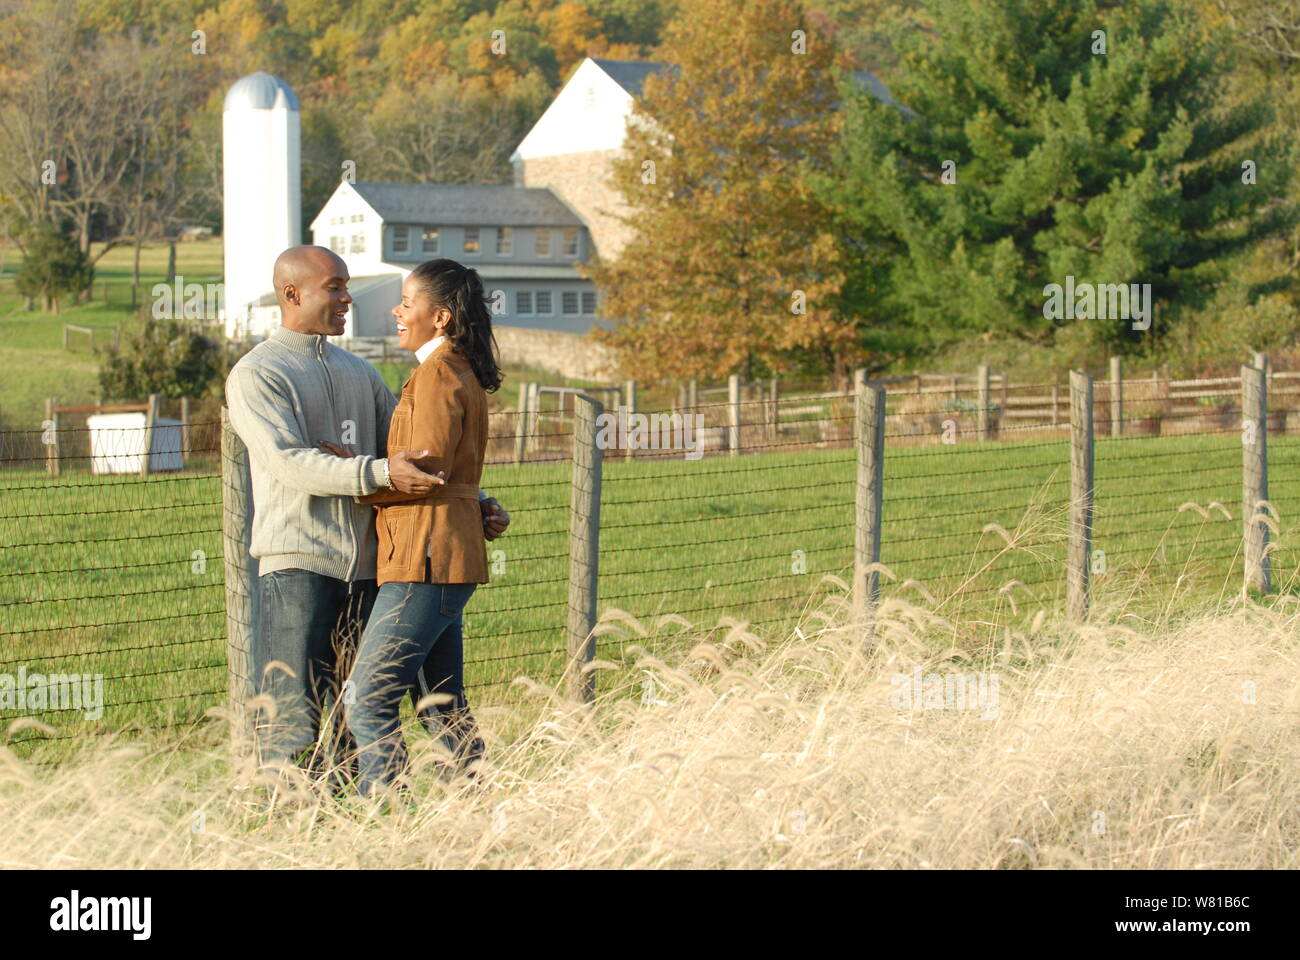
<point x="523" y="302"/>
<point x="544" y="301"/>
<point x="471" y="244"/>
<point x="505" y="241"/>
<point x="570" y="241"/>
<point x="337" y="245"/>
<point x="430" y="240"/>
<point x="358" y="243"/>
<point x="401" y="239"/>
<point x="589" y="302"/>
<point x="543" y="242"/>
<point x="569" y="302"/>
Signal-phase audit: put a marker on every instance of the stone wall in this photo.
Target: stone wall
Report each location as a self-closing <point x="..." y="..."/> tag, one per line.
<point x="581" y="180"/>
<point x="567" y="354"/>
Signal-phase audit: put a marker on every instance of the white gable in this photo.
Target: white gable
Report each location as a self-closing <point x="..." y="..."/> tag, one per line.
<point x="344" y="201"/>
<point x="349" y="220"/>
<point x="589" y="113"/>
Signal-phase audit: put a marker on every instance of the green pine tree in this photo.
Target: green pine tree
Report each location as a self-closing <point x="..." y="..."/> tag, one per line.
<point x="53" y="266"/>
<point x="1051" y="138"/>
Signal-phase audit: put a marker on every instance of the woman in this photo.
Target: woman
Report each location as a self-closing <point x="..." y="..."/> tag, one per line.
<point x="431" y="549"/>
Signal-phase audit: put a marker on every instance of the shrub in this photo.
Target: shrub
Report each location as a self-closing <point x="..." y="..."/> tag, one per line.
<point x="52" y="266"/>
<point x="168" y="357"/>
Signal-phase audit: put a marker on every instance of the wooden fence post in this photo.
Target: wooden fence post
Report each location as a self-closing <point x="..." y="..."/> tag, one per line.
<point x="859" y="384"/>
<point x="535" y="411"/>
<point x="1079" y="549"/>
<point x="150" y="416"/>
<point x="1116" y="397"/>
<point x="629" y="394"/>
<point x="242" y="595"/>
<point x="1056" y="401"/>
<point x="584" y="547"/>
<point x="733" y="414"/>
<point x="53" y="465"/>
<point x="185" y="428"/>
<point x="521" y="422"/>
<point x="984" y="401"/>
<point x="1260" y="362"/>
<point x="870" y="422"/>
<point x="773" y="411"/>
<point x="693" y="394"/>
<point x="1254" y="478"/>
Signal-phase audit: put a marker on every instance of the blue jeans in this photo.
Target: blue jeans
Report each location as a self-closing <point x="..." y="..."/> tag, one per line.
<point x="413" y="644"/>
<point x="311" y="623"/>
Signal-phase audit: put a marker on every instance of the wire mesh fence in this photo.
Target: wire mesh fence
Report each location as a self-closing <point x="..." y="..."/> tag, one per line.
<point x="112" y="604"/>
<point x="119" y="576"/>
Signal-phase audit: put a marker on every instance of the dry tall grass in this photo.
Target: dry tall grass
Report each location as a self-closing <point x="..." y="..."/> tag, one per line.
<point x="1105" y="747"/>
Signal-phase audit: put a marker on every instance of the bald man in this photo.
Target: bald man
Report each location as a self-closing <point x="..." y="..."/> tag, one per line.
<point x="292" y="398"/>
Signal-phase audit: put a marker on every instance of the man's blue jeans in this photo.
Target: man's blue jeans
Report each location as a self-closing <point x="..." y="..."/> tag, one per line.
<point x="413" y="644"/>
<point x="310" y="623"/>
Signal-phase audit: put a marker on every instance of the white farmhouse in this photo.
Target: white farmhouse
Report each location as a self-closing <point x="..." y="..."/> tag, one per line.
<point x="526" y="240"/>
<point x="524" y="243"/>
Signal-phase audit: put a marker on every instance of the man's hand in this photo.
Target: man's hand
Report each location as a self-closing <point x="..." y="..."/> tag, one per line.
<point x="495" y="518"/>
<point x="337" y="450"/>
<point x="408" y="478"/>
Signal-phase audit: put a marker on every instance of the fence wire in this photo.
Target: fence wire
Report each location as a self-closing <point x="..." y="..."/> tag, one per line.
<point x="119" y="576"/>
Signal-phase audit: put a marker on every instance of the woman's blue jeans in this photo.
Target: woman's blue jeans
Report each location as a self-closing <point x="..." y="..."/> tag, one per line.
<point x="412" y="625"/>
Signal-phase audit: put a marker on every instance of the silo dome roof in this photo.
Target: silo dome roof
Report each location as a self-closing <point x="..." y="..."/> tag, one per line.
<point x="260" y="91"/>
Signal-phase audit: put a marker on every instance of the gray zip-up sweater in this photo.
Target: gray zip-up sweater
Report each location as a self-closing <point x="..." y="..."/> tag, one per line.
<point x="287" y="394"/>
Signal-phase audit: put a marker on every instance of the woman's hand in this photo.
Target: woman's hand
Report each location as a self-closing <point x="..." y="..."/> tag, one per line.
<point x="335" y="449"/>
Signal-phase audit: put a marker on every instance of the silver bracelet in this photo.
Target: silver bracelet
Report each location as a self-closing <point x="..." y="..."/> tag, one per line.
<point x="388" y="479"/>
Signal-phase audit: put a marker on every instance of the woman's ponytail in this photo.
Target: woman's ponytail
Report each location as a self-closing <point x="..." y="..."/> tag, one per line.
<point x="460" y="289"/>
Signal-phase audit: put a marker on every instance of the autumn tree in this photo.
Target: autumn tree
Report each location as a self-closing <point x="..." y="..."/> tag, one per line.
<point x="92" y="129"/>
<point x="446" y="131"/>
<point x="733" y="267"/>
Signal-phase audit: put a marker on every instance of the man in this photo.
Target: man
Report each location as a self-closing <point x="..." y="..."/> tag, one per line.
<point x="315" y="545"/>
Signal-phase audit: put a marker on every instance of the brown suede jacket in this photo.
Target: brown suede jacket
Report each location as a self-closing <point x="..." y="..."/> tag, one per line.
<point x="443" y="409"/>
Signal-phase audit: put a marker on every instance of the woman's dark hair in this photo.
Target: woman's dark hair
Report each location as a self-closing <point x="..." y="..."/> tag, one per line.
<point x="460" y="289"/>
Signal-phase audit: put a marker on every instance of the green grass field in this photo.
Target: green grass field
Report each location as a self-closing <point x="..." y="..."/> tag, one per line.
<point x="33" y="363"/>
<point x="123" y="576"/>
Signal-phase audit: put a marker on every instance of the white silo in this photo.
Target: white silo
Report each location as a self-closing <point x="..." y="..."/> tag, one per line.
<point x="261" y="182"/>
